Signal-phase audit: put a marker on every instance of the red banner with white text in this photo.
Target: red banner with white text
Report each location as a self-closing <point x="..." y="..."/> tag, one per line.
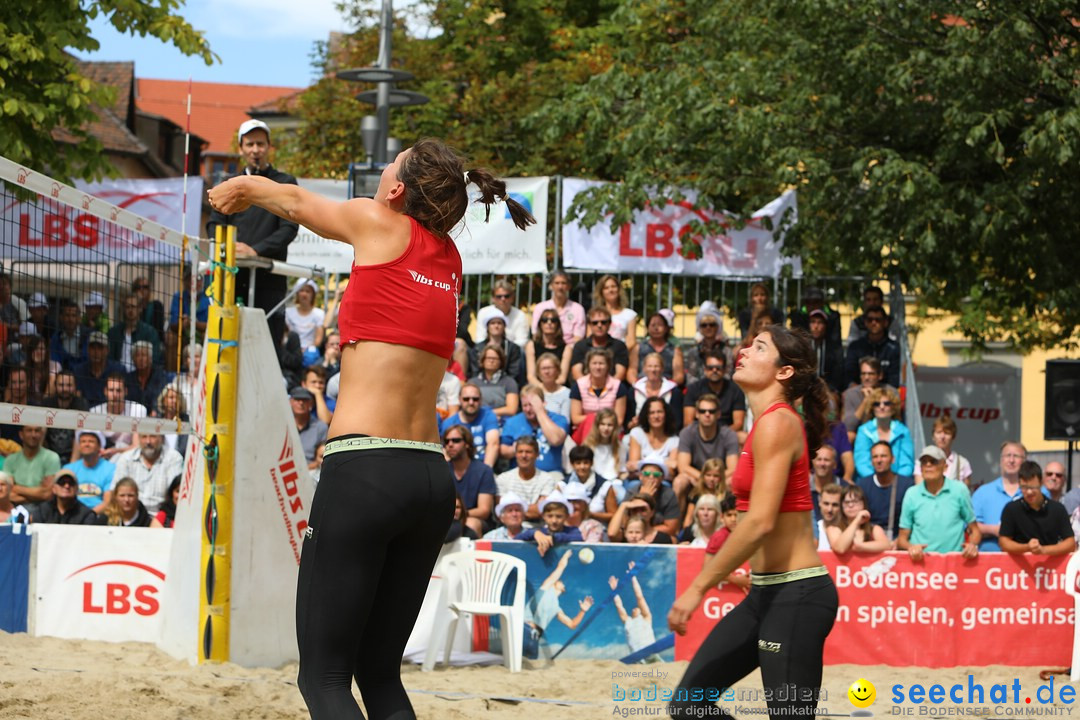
<point x="998" y="609"/>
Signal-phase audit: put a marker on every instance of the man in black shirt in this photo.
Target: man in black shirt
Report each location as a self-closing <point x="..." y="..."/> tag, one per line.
<point x="1033" y="523"/>
<point x="62" y="440"/>
<point x="876" y="343"/>
<point x="258" y="231"/>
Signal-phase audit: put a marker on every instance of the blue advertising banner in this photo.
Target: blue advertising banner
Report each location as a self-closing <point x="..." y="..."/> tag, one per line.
<point x="14" y="577"/>
<point x="597" y="601"/>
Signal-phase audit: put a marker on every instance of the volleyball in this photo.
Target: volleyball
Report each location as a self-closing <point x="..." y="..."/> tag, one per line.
<point x="585" y="555"/>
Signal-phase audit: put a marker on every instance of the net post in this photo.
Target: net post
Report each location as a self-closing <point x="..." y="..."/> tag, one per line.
<point x="221" y="376"/>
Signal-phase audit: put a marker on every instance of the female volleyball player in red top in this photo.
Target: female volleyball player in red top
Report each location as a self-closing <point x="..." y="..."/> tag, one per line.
<point x="386" y="497"/>
<point x="782" y="624"/>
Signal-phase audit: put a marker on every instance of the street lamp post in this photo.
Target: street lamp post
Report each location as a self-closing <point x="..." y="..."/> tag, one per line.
<point x="376" y="130"/>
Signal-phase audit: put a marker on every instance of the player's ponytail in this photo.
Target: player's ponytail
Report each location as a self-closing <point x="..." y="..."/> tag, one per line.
<point x="492" y="190"/>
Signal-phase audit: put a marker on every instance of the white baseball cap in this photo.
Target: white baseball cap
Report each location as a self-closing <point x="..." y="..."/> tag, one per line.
<point x="656" y="460"/>
<point x="489" y="313"/>
<point x="99" y="435"/>
<point x="558" y="497"/>
<point x="38" y="300"/>
<point x="28" y="328"/>
<point x="249" y="125"/>
<point x="306" y="282"/>
<point x="95" y="298"/>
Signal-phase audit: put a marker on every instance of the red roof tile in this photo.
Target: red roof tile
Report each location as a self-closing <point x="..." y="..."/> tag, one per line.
<point x="217" y="109"/>
<point x="282" y="105"/>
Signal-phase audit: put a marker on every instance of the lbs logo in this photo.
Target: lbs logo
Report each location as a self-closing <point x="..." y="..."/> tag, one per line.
<point x="111" y="596"/>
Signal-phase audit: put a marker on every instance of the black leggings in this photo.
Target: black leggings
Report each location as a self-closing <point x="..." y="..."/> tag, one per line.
<point x="781" y="628"/>
<point x="376" y="528"/>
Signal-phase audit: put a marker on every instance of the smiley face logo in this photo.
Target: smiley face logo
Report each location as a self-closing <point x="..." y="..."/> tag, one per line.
<point x="862" y="693"/>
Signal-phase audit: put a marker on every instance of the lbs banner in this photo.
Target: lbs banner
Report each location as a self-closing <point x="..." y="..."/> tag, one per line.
<point x="99" y="584"/>
<point x="52" y="230"/>
<point x="653" y="241"/>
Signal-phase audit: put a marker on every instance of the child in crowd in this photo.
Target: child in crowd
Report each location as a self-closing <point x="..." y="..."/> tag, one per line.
<point x="634" y="532"/>
<point x="851" y="529"/>
<point x="730" y="517"/>
<point x="591" y="530"/>
<point x="710" y="482"/>
<point x="581" y="458"/>
<point x="556" y="511"/>
<point x="639" y="506"/>
<point x="609" y="451"/>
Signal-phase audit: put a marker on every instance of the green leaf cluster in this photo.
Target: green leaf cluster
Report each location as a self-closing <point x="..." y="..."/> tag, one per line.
<point x="936" y="141"/>
<point x="42" y="89"/>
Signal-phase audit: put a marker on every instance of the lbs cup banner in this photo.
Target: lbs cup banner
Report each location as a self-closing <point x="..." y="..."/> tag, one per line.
<point x="653" y="241"/>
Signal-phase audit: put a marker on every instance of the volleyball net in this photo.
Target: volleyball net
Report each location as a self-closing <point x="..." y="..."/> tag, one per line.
<point x="96" y="308"/>
<point x="95" y="316"/>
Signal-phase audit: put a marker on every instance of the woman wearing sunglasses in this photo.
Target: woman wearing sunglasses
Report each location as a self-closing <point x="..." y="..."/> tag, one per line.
<point x="885" y="404"/>
<point x="548" y="339"/>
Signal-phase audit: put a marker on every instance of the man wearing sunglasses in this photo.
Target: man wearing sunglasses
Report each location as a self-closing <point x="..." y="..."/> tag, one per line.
<point x="872" y="297"/>
<point x="517" y="325"/>
<point x="876" y="343"/>
<point x="1054" y="480"/>
<point x="704" y="438"/>
<point x="599" y="337"/>
<point x="732" y="402"/>
<point x="481" y="421"/>
<point x="64" y="507"/>
<point x="474" y="481"/>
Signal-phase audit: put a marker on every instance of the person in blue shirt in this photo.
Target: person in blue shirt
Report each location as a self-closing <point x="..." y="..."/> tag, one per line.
<point x="549" y="429"/>
<point x="884" y="426"/>
<point x="68" y="344"/>
<point x="474" y="481"/>
<point x="93" y="472"/>
<point x="481" y="421"/>
<point x="992" y="497"/>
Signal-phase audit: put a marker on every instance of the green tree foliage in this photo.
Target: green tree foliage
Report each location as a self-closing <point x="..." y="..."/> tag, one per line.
<point x="486" y="68"/>
<point x="933" y="141"/>
<point x="41" y="88"/>
<point x="936" y="141"/>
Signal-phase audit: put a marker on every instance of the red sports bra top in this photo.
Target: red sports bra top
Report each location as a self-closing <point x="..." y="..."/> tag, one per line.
<point x="796" y="494"/>
<point x="411" y="301"/>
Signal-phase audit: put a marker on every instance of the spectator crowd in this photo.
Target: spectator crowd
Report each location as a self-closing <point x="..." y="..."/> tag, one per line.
<point x="568" y="424"/>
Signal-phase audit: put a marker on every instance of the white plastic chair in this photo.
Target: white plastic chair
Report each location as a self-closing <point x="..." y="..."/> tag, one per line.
<point x="1072" y="587"/>
<point x="473" y="583"/>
